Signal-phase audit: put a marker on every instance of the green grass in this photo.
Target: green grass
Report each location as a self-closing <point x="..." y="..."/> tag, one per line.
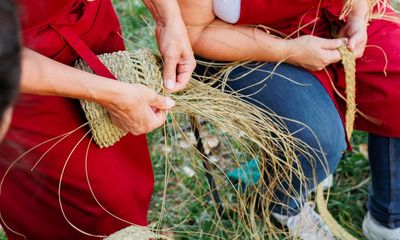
<point x="3" y="236"/>
<point x="347" y="199"/>
<point x="136" y="23"/>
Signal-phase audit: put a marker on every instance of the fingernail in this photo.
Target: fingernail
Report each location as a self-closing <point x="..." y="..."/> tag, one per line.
<point x="170" y="103"/>
<point x="170" y="84"/>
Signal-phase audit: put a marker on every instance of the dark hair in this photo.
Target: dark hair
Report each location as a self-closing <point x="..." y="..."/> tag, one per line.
<point x="10" y="54"/>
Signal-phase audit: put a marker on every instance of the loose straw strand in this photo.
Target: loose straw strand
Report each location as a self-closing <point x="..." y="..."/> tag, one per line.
<point x="337" y="230"/>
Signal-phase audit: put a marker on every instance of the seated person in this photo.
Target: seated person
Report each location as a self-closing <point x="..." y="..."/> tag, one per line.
<point x="295" y="73"/>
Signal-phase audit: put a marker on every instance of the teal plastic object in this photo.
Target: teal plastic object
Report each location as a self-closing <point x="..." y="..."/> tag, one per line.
<point x="247" y="175"/>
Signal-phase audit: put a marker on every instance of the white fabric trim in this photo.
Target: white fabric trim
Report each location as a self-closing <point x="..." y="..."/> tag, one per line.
<point x="227" y="10"/>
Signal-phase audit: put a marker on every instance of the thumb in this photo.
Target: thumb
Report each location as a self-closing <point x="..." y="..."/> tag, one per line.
<point x="169" y="72"/>
<point x="163" y="103"/>
<point x="353" y="42"/>
<point x="331" y="44"/>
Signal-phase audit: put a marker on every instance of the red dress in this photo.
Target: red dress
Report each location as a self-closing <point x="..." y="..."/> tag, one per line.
<point x="377" y="95"/>
<point x="121" y="176"/>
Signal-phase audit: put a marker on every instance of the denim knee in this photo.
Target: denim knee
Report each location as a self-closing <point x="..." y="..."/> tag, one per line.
<point x="327" y="142"/>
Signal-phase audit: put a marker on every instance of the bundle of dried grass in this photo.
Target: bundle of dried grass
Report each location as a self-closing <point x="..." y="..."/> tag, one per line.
<point x="227" y="111"/>
<point x="256" y="132"/>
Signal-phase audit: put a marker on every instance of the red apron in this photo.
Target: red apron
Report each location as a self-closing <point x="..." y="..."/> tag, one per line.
<point x="120" y="177"/>
<point x="378" y="96"/>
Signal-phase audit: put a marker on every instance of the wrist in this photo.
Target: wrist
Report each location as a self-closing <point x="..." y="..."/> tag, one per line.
<point x="289" y="50"/>
<point x="273" y="49"/>
<point x="103" y="91"/>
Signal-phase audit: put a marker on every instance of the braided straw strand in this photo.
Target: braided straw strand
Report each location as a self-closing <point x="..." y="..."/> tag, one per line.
<point x="349" y="63"/>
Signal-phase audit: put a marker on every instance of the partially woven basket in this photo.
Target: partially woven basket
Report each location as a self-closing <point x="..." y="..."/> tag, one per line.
<point x="129" y="67"/>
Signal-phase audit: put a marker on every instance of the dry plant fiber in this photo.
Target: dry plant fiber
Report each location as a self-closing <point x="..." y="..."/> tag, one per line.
<point x="253" y="129"/>
<point x="349" y="63"/>
<point x="221" y="109"/>
<point x="135" y="233"/>
<point x="378" y="9"/>
<point x="337" y="230"/>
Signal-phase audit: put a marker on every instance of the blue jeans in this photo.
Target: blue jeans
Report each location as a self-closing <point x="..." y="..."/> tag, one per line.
<point x="384" y="193"/>
<point x="294" y="93"/>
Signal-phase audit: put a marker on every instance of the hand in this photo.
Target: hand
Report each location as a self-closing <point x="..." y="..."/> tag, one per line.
<point x="136" y="108"/>
<point x="314" y="53"/>
<point x="177" y="53"/>
<point x="356" y="31"/>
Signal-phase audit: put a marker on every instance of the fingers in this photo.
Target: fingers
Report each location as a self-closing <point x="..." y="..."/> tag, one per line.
<point x="331" y="44"/>
<point x="177" y="53"/>
<point x="169" y="72"/>
<point x="184" y="73"/>
<point x="357" y="44"/>
<point x="333" y="56"/>
<point x="156" y="120"/>
<point x="139" y="109"/>
<point x="161" y="102"/>
<point x="330" y="50"/>
<point x="159" y="118"/>
<point x="354" y="42"/>
<point x="182" y="69"/>
<point x="356" y="31"/>
<point x="156" y="113"/>
<point x="327" y="57"/>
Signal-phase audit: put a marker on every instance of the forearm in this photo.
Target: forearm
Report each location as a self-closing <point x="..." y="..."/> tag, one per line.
<point x="224" y="42"/>
<point x="214" y="39"/>
<point x="44" y="76"/>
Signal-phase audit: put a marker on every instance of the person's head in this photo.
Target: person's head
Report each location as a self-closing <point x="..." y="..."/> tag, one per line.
<point x="10" y="61"/>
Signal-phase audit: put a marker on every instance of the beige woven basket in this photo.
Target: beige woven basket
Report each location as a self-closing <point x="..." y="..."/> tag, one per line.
<point x="129" y="67"/>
